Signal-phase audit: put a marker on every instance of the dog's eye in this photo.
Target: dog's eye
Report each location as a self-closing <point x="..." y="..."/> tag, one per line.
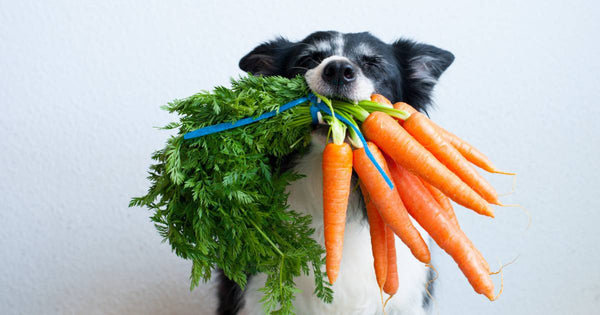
<point x="311" y="60"/>
<point x="318" y="56"/>
<point x="371" y="60"/>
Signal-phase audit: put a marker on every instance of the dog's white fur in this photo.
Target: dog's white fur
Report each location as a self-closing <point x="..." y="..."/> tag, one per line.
<point x="422" y="71"/>
<point x="355" y="291"/>
<point x="362" y="87"/>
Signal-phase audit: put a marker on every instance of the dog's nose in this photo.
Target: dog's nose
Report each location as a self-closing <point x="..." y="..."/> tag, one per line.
<point x="338" y="72"/>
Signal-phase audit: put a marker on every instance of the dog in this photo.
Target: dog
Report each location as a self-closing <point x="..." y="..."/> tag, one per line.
<point x="349" y="66"/>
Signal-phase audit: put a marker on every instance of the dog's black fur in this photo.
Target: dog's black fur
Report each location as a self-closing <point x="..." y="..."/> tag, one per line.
<point x="402" y="71"/>
<point x="393" y="68"/>
<point x="230" y="296"/>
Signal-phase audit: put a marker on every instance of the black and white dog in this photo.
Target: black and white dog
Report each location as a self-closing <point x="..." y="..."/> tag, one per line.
<point x="348" y="66"/>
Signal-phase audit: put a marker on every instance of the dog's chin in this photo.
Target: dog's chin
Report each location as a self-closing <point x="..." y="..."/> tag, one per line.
<point x="351" y="94"/>
<point x="359" y="90"/>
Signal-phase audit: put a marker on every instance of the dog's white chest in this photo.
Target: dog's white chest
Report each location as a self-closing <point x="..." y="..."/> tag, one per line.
<point x="355" y="291"/>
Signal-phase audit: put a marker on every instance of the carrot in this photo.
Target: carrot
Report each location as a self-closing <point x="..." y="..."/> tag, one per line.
<point x="388" y="201"/>
<point x="468" y="151"/>
<point x="445" y="204"/>
<point x="377" y="229"/>
<point x="423" y="208"/>
<point x="420" y="127"/>
<point x="405" y="107"/>
<point x="443" y="201"/>
<point x="482" y="260"/>
<point x="337" y="174"/>
<point x="391" y="281"/>
<point x="384" y="131"/>
<point x="378" y="98"/>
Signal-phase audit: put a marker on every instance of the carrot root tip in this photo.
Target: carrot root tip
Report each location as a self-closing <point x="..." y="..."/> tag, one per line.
<point x="332" y="277"/>
<point x="494" y="298"/>
<point x="514" y="186"/>
<point x="382" y="303"/>
<point x="387" y="300"/>
<point x="430" y="282"/>
<point x="504" y="173"/>
<point x="529" y="218"/>
<point x="501" y="272"/>
<point x="505" y="265"/>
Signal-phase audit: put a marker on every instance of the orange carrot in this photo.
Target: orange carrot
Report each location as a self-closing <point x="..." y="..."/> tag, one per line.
<point x="388" y="201"/>
<point x="409" y="153"/>
<point x="442" y="200"/>
<point x="482" y="260"/>
<point x="378" y="98"/>
<point x="391" y="281"/>
<point x="445" y="204"/>
<point x="423" y="208"/>
<point x="378" y="239"/>
<point x="468" y="151"/>
<point x="337" y="174"/>
<point x="405" y="107"/>
<point x="420" y="127"/>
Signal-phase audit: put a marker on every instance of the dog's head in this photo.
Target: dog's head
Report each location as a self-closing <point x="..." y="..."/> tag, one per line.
<point x="354" y="65"/>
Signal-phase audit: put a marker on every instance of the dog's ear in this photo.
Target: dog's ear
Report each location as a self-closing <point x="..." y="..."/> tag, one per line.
<point x="267" y="58"/>
<point x="421" y="66"/>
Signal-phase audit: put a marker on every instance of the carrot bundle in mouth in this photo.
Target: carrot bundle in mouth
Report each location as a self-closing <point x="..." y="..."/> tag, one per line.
<point x="429" y="166"/>
<point x="221" y="185"/>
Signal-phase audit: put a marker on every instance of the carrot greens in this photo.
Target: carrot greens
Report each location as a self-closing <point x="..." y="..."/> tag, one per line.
<point x="220" y="200"/>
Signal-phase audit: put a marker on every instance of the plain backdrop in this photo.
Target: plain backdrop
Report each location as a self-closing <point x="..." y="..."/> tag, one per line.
<point x="81" y="83"/>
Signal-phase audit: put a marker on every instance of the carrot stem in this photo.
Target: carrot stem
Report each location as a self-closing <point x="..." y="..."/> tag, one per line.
<point x="358" y="112"/>
<point x="338" y="131"/>
<point x="266" y="238"/>
<point x="352" y="135"/>
<point x="371" y="106"/>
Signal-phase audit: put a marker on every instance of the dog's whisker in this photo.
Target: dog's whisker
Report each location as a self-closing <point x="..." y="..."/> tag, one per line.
<point x="302" y="68"/>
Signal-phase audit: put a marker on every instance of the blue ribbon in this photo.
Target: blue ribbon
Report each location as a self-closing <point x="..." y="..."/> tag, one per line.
<point x="242" y="122"/>
<point x="315" y="106"/>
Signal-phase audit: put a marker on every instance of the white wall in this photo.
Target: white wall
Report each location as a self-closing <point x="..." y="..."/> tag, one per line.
<point x="81" y="83"/>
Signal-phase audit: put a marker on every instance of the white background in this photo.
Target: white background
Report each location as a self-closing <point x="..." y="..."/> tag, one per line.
<point x="80" y="88"/>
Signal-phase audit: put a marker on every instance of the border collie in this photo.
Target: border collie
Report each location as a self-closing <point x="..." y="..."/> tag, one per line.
<point x="352" y="67"/>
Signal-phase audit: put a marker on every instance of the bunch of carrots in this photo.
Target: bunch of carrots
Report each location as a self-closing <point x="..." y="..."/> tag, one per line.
<point x="428" y="166"/>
